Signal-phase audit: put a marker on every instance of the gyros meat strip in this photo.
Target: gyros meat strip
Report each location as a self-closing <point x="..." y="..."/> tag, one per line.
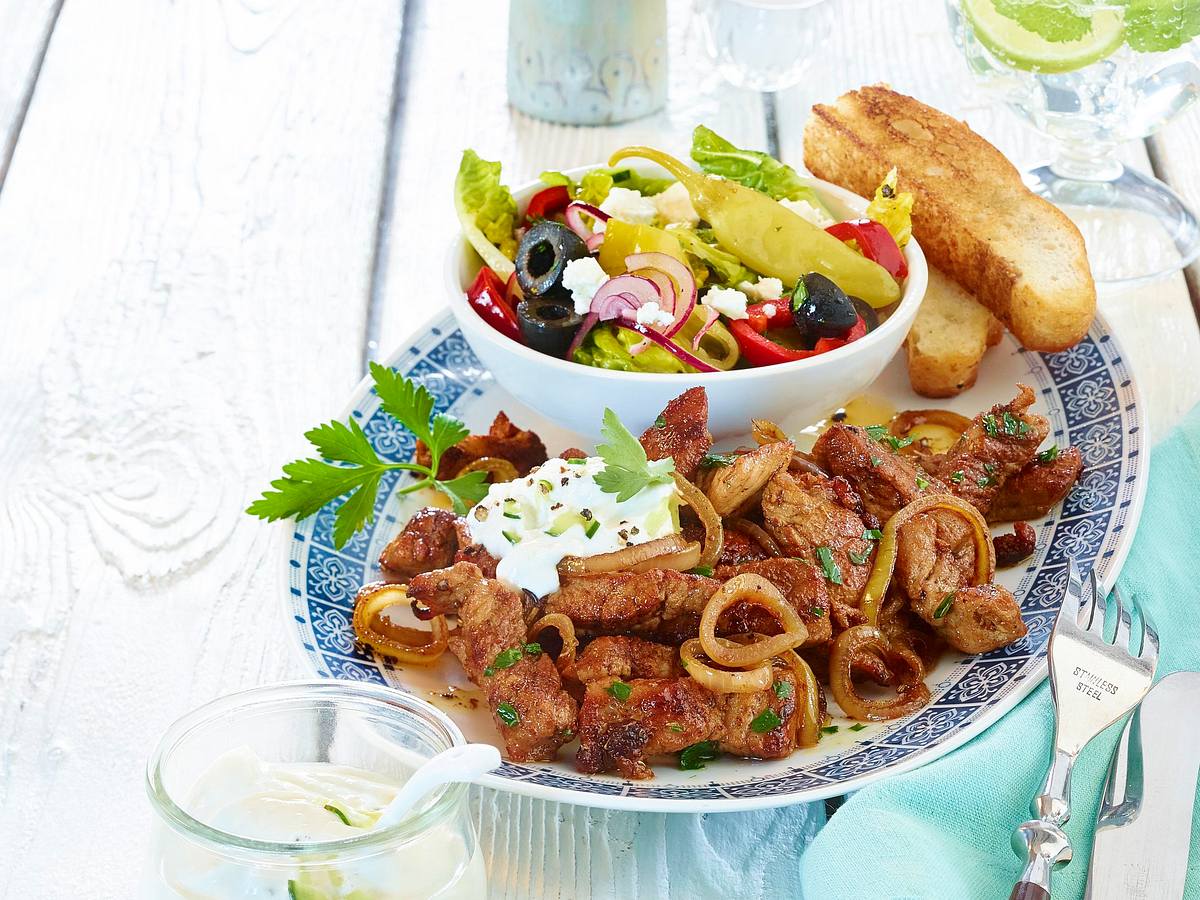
<point x="429" y="541"/>
<point x="621" y="656"/>
<point x="524" y="449"/>
<point x="1037" y="488"/>
<point x="491" y="621"/>
<point x="804" y="512"/>
<point x="476" y="554"/>
<point x="803" y="587"/>
<point x="667" y="605"/>
<point x="936" y="553"/>
<point x="681" y="432"/>
<point x="665" y="715"/>
<point x="996" y="446"/>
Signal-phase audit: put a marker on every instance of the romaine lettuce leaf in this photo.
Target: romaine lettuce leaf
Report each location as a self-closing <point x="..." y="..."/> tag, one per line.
<point x="486" y="211"/>
<point x="595" y="185"/>
<point x="750" y="168"/>
<point x="726" y="268"/>
<point x="892" y="209"/>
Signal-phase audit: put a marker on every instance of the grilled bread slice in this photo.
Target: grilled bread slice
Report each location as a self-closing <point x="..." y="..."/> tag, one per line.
<point x="1017" y="254"/>
<point x="948" y="339"/>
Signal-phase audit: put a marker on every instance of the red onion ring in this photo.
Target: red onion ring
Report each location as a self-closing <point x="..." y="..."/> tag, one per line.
<point x="711" y="316"/>
<point x="588" y="323"/>
<point x="574" y="216"/>
<point x="624" y="293"/>
<point x="667" y="344"/>
<point x="678" y="272"/>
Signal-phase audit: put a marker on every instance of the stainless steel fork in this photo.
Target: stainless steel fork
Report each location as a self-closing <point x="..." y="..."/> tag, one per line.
<point x="1094" y="682"/>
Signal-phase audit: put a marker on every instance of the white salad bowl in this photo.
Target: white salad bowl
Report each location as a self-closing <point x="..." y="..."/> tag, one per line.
<point x="793" y="394"/>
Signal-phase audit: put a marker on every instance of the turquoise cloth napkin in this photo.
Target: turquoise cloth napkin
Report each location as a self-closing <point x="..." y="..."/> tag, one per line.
<point x="942" y="832"/>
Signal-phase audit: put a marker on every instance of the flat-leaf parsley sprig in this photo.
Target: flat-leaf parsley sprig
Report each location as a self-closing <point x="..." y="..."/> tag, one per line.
<point x="350" y="465"/>
<point x="626" y="468"/>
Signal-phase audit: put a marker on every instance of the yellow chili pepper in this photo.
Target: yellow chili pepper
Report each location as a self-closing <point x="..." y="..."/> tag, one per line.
<point x="770" y="238"/>
<point x="622" y="239"/>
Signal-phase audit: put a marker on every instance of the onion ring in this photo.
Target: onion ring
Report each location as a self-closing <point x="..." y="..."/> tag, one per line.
<point x="625" y="558"/>
<point x="714" y="531"/>
<point x="885" y="556"/>
<point x="720" y="681"/>
<point x="566" y="631"/>
<point x="931" y="430"/>
<point x="767" y="432"/>
<point x="756" y="590"/>
<point x="497" y="466"/>
<point x="680" y="560"/>
<point x="760" y="535"/>
<point x="397" y="641"/>
<point x="912" y="694"/>
<point x="808" y="728"/>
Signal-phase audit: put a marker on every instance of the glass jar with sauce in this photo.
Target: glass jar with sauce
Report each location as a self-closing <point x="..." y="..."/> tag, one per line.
<point x="273" y="793"/>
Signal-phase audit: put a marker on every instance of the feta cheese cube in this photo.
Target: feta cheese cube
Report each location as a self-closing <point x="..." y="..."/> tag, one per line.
<point x="583" y="277"/>
<point x="674" y="205"/>
<point x="629" y="206"/>
<point x="806" y="210"/>
<point x="728" y="302"/>
<point x="763" y="289"/>
<point x="653" y="314"/>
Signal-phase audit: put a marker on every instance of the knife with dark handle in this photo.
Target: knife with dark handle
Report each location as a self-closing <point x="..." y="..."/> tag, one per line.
<point x="1144" y="826"/>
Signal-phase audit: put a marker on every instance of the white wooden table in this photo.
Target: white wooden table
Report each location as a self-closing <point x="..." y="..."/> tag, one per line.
<point x="212" y="213"/>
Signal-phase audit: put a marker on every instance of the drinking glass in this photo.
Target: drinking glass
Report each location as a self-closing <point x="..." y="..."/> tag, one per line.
<point x="433" y="853"/>
<point x="1092" y="74"/>
<point x="762" y="45"/>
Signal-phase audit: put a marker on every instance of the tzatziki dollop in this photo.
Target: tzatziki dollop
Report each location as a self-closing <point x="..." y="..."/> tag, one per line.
<point x="558" y="510"/>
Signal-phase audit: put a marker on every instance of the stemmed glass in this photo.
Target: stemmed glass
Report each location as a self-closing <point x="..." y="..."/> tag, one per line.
<point x="1093" y="74"/>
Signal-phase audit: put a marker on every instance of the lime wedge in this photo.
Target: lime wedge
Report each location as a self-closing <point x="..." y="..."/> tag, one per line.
<point x="1023" y="49"/>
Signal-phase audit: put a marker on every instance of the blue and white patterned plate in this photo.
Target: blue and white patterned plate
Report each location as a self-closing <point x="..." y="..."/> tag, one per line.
<point x="1089" y="396"/>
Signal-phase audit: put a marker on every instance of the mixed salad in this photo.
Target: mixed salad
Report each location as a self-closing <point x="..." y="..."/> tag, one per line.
<point x="738" y="264"/>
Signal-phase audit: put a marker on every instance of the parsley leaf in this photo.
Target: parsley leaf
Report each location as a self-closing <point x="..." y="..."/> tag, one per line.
<point x="508" y="714"/>
<point x="1049" y="455"/>
<point x="706" y="571"/>
<point x="350" y="466"/>
<point x="858" y="726"/>
<point x="833" y="573"/>
<point x="782" y="689"/>
<point x="859" y="558"/>
<point x="872" y="534"/>
<point x="990" y="425"/>
<point x="626" y="469"/>
<point x="695" y="756"/>
<point x="767" y="720"/>
<point x="957" y="476"/>
<point x="830" y="729"/>
<point x="922" y="483"/>
<point x="944" y="606"/>
<point x="619" y="690"/>
<point x="717" y="460"/>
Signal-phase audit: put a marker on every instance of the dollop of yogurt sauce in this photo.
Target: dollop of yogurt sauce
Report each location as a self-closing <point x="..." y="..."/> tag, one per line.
<point x="559" y="510"/>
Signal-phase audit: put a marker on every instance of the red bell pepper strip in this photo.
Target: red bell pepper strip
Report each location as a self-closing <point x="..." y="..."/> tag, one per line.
<point x="486" y="296"/>
<point x="759" y="350"/>
<point x="547" y="203"/>
<point x="875" y="242"/>
<point x="771" y="314"/>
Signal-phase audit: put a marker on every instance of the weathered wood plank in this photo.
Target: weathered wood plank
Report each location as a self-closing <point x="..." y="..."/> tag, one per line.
<point x="914" y="53"/>
<point x="185" y="237"/>
<point x="25" y="29"/>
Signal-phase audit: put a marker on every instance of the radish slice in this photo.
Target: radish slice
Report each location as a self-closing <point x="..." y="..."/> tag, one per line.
<point x="574" y="216"/>
<point x="711" y="316"/>
<point x="667" y="344"/>
<point x="680" y="274"/>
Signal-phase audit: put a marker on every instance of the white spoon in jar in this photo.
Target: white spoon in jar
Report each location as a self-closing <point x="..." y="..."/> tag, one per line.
<point x="464" y="763"/>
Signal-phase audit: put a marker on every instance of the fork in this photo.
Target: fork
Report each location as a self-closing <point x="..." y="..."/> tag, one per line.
<point x="1094" y="682"/>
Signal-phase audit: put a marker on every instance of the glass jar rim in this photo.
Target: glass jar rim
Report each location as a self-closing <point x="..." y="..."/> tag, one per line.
<point x="382" y="698"/>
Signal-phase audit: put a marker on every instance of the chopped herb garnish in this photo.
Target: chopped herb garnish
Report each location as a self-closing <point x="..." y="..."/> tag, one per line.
<point x="532" y="649"/>
<point x="990" y="425"/>
<point x="833" y="574"/>
<point x="944" y="606"/>
<point x="872" y="534"/>
<point x="1048" y="456"/>
<point x="782" y="689"/>
<point x="957" y="476"/>
<point x="717" y="460"/>
<point x="817" y="611"/>
<point x="897" y="443"/>
<point x="620" y="690"/>
<point x="512" y="537"/>
<point x="337" y="812"/>
<point x="985" y="481"/>
<point x="509" y="515"/>
<point x="661" y="421"/>
<point x="880" y="433"/>
<point x="830" y="729"/>
<point x="695" y="756"/>
<point x="990" y="468"/>
<point x="508" y="714"/>
<point x="576" y="461"/>
<point x="859" y="558"/>
<point x="922" y="483"/>
<point x="545" y="486"/>
<point x="876" y="432"/>
<point x="857" y="726"/>
<point x="767" y="720"/>
<point x="875" y="460"/>
<point x="592" y="528"/>
<point x="675" y="727"/>
<point x="706" y="571"/>
<point x="1013" y="426"/>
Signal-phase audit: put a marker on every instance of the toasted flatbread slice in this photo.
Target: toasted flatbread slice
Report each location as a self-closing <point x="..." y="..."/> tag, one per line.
<point x="948" y="339"/>
<point x="1016" y="253"/>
